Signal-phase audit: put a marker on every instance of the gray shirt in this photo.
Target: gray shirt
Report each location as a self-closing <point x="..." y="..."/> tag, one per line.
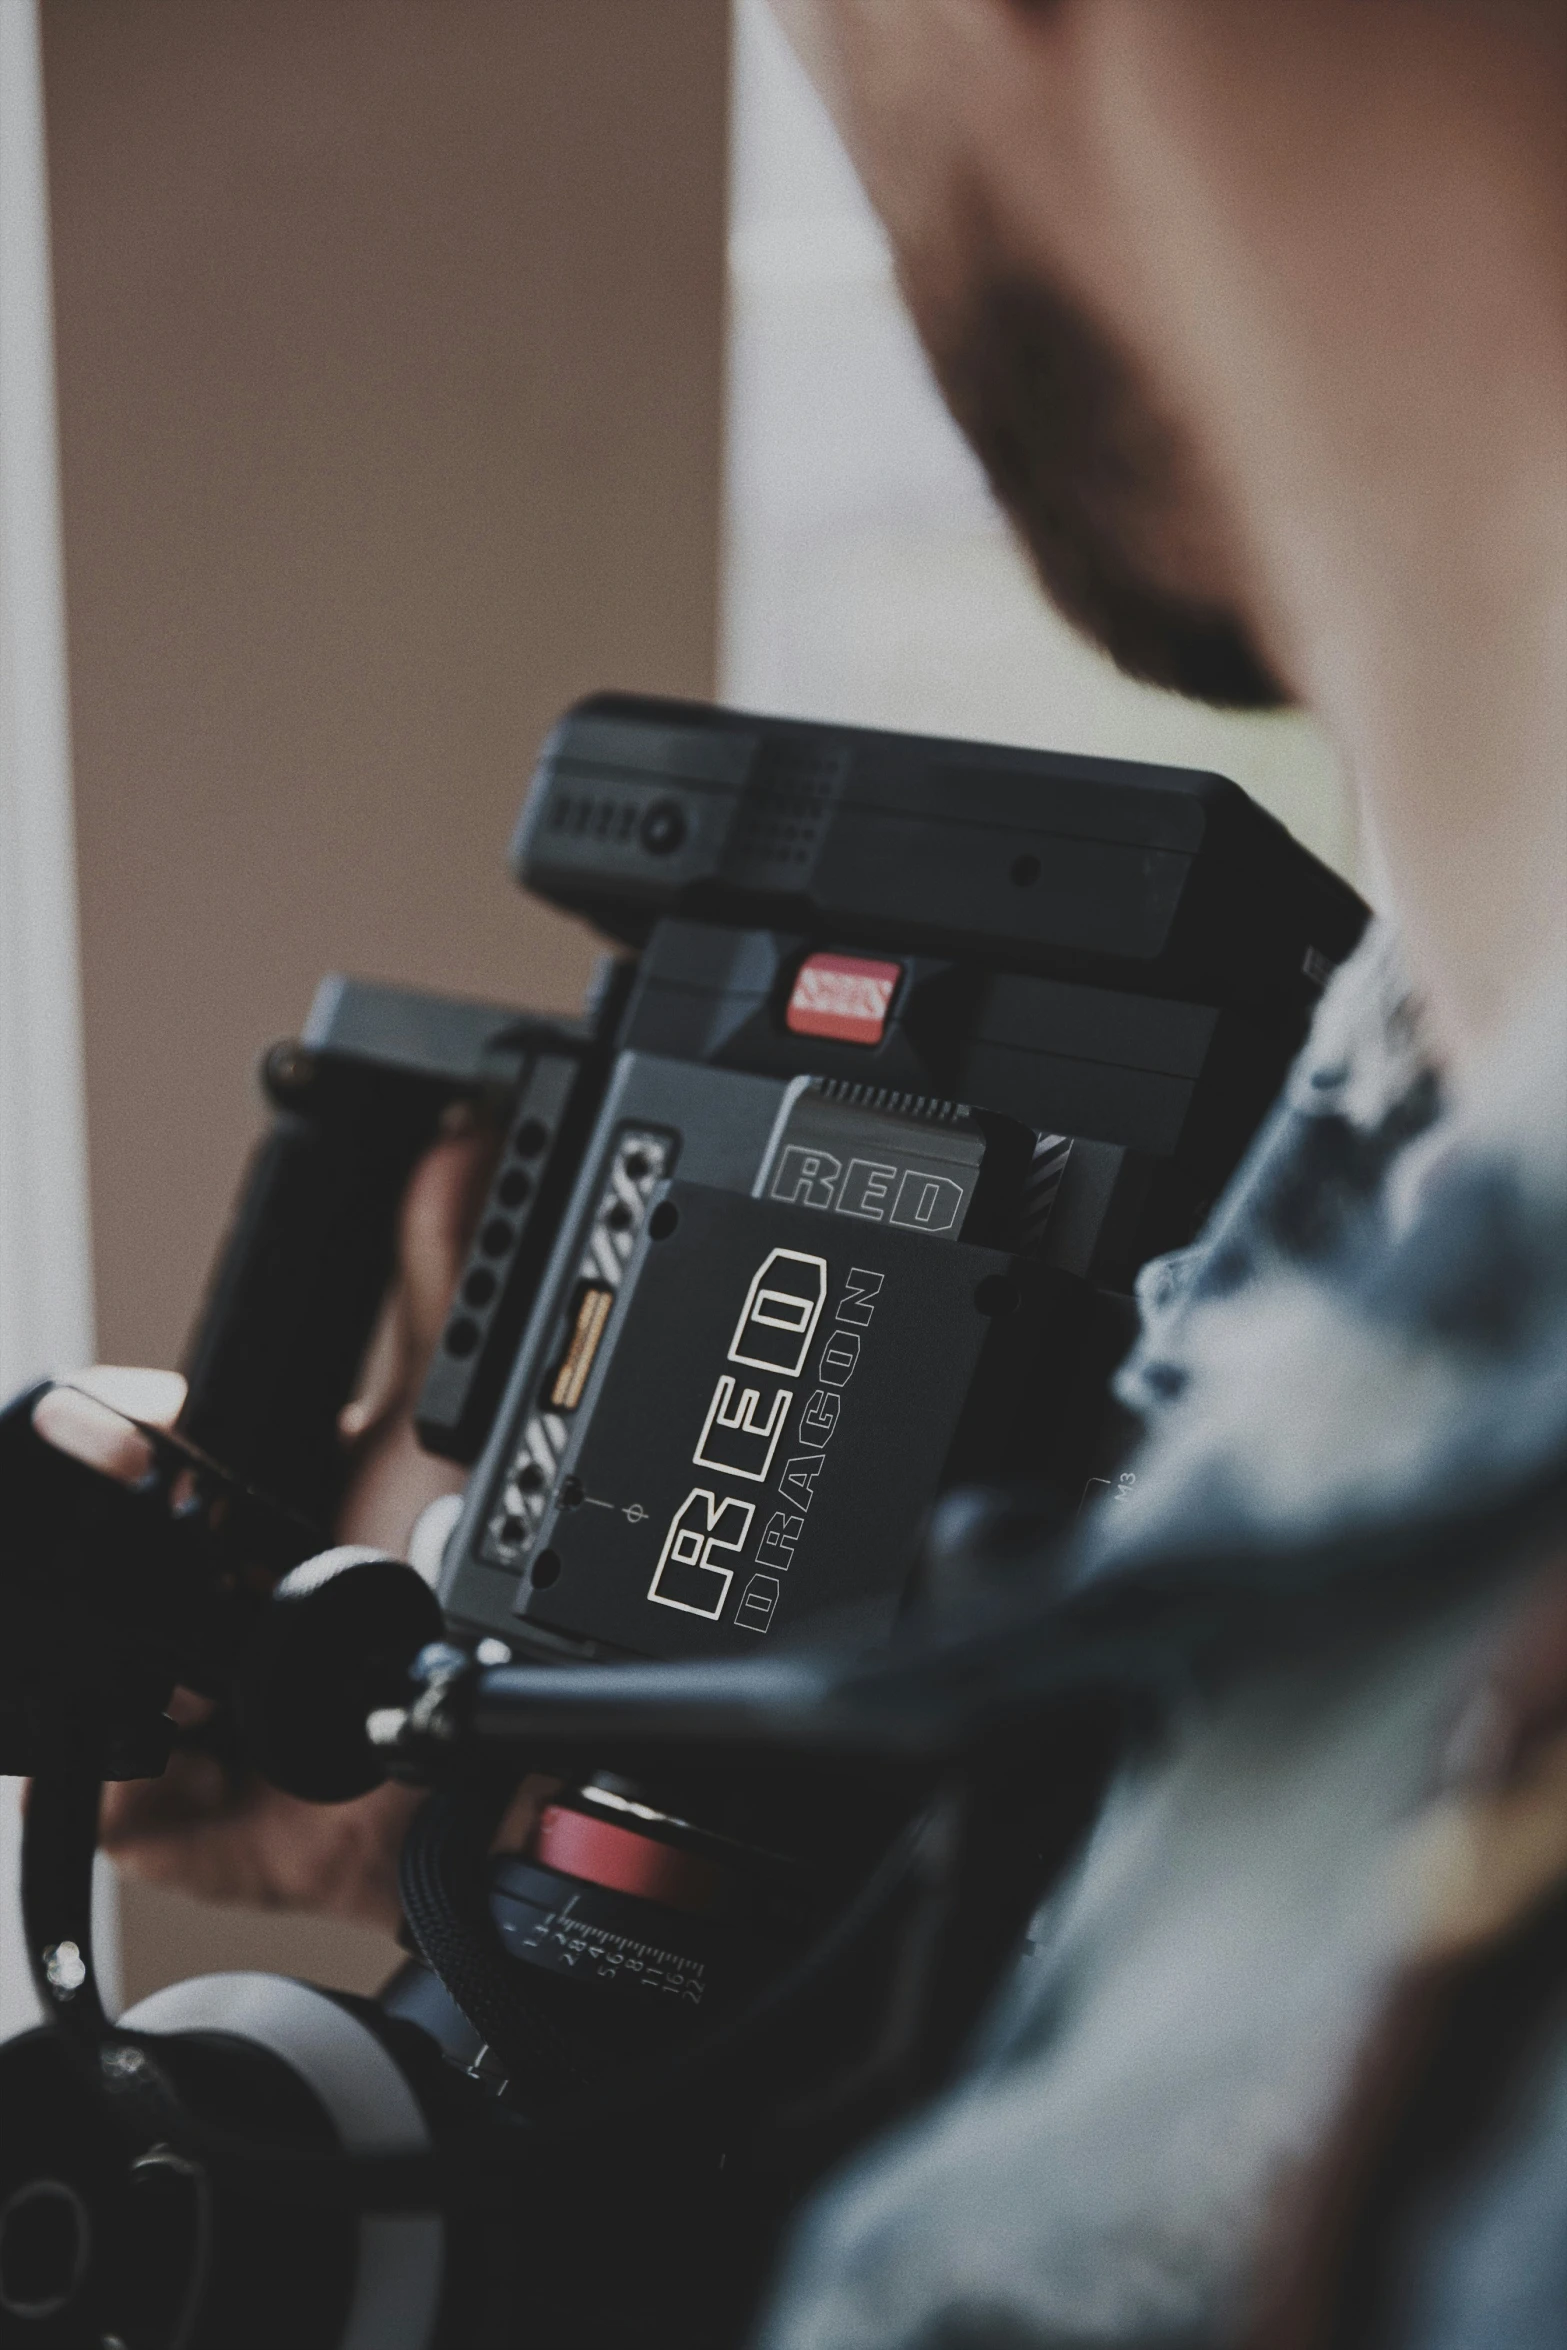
<point x="1373" y="1328"/>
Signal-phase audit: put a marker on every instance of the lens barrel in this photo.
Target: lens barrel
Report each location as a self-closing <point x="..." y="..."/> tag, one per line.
<point x="110" y="2238"/>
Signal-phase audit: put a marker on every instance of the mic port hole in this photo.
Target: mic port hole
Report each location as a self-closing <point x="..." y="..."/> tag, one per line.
<point x="663" y="828"/>
<point x="45" y="2245"/>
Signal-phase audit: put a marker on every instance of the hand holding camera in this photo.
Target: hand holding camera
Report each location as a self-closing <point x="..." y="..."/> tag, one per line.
<point x="201" y="1828"/>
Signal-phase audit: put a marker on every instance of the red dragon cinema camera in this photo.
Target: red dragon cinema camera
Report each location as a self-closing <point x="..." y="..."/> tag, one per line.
<point x="920" y="1049"/>
<point x="814" y="1236"/>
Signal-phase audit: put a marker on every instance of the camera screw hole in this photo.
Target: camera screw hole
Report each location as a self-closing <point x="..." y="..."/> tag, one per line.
<point x="663" y="828"/>
<point x="996" y="1296"/>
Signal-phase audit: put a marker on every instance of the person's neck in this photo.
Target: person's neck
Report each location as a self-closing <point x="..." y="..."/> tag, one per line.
<point x="1421" y="606"/>
<point x="1409" y="522"/>
<point x="1368" y="314"/>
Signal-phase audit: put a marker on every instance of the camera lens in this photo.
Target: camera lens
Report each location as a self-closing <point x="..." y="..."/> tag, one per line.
<point x="514" y="1187"/>
<point x="497" y="1237"/>
<point x="546" y="1570"/>
<point x="479" y="1287"/>
<point x="530" y="1138"/>
<point x="663" y="828"/>
<point x="663" y="1220"/>
<point x="462" y="1337"/>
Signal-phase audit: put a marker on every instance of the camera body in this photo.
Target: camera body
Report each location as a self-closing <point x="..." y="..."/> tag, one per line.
<point x="832" y="1203"/>
<point x="824" y="1216"/>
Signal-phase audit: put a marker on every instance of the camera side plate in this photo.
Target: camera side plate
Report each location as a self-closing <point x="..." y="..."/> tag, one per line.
<point x="766" y="1428"/>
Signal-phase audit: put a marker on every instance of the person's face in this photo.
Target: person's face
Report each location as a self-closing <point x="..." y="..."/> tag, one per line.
<point x="964" y="121"/>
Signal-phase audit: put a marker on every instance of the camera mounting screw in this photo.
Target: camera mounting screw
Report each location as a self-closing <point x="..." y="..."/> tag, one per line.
<point x="65" y="1969"/>
<point x="410" y="1738"/>
<point x="288" y="1071"/>
<point x="124" y="2068"/>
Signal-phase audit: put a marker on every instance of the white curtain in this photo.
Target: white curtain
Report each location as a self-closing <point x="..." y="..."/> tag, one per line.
<point x="45" y="1260"/>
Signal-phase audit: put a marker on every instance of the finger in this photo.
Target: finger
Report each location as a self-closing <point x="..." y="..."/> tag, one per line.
<point x="521" y="1816"/>
<point x="270" y="1851"/>
<point x="439" y="1213"/>
<point x="91" y="1418"/>
<point x="338" y="1859"/>
<point x="194" y="1789"/>
<point x="383" y="1375"/>
<point x="187" y="1710"/>
<point x="76" y="1424"/>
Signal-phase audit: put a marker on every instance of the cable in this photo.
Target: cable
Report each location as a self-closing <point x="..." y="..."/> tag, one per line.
<point x="444" y="1881"/>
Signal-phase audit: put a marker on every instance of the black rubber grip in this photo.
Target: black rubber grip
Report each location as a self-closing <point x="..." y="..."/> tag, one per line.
<point x="302" y="1276"/>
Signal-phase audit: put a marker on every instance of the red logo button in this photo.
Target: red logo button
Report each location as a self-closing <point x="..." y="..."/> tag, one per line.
<point x="843" y="996"/>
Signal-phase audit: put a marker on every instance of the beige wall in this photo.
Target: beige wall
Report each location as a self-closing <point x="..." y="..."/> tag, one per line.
<point x="390" y="343"/>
